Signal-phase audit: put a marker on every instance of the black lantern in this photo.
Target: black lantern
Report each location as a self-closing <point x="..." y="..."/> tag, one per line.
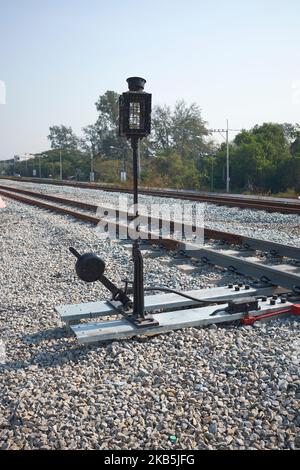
<point x="135" y="123"/>
<point x="135" y="109"/>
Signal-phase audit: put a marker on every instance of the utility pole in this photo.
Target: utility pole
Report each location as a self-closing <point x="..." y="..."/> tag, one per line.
<point x="227" y="130"/>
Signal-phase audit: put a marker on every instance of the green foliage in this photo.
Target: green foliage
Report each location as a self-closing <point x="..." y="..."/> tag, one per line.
<point x="62" y="137"/>
<point x="182" y="130"/>
<point x="108" y="109"/>
<point x="91" y="140"/>
<point x="102" y="137"/>
<point x="73" y="162"/>
<point x="162" y="127"/>
<point x="178" y="154"/>
<point x="295" y="146"/>
<point x="261" y="159"/>
<point x="188" y="129"/>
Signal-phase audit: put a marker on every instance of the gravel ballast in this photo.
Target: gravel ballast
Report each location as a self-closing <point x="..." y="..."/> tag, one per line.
<point x="219" y="387"/>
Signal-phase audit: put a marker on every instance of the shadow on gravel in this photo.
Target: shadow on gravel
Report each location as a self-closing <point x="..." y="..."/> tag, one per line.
<point x="58" y="347"/>
<point x="47" y="335"/>
<point x="51" y="353"/>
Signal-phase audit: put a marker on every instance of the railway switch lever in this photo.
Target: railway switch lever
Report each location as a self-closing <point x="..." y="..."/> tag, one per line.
<point x="90" y="268"/>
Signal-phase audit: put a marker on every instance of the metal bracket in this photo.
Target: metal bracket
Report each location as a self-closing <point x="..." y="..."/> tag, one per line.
<point x="138" y="321"/>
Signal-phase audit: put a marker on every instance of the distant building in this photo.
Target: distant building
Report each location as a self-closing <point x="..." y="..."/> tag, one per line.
<point x="26" y="156"/>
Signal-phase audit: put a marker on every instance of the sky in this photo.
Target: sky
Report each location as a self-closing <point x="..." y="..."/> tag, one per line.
<point x="238" y="60"/>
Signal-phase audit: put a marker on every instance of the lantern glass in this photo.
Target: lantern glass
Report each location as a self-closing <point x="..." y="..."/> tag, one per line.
<point x="136" y="120"/>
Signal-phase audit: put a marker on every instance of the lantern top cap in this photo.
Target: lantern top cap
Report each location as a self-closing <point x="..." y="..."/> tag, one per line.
<point x="136" y="83"/>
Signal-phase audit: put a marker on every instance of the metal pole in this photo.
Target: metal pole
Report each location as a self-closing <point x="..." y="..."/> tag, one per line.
<point x="139" y="165"/>
<point x="138" y="283"/>
<point x="212" y="174"/>
<point x="124" y="167"/>
<point x="40" y="166"/>
<point x="123" y="171"/>
<point x="60" y="165"/>
<point x="92" y="167"/>
<point x="227" y="160"/>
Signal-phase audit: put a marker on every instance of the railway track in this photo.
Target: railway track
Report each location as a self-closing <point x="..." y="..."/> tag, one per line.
<point x="245" y="255"/>
<point x="287" y="206"/>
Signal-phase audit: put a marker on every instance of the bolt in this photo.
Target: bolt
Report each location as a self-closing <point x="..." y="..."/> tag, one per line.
<point x="272" y="302"/>
<point x="236" y="288"/>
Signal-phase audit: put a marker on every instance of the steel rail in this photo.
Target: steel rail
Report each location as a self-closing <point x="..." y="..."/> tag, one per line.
<point x="268" y="274"/>
<point x="248" y="243"/>
<point x="241" y="201"/>
<point x="51" y="207"/>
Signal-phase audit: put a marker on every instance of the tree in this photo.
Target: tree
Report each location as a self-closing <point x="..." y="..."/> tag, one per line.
<point x="295" y="141"/>
<point x="188" y="129"/>
<point x="91" y="141"/>
<point x="181" y="130"/>
<point x="162" y="127"/>
<point x="273" y="140"/>
<point x="179" y="153"/>
<point x="295" y="147"/>
<point x="62" y="137"/>
<point x="106" y="126"/>
<point x="260" y="158"/>
<point x="291" y="131"/>
<point x="108" y="109"/>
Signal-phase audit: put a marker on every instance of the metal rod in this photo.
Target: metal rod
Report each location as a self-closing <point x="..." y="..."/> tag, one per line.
<point x="135" y="145"/>
<point x="74" y="252"/>
<point x="138" y="283"/>
<point x="139" y="165"/>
